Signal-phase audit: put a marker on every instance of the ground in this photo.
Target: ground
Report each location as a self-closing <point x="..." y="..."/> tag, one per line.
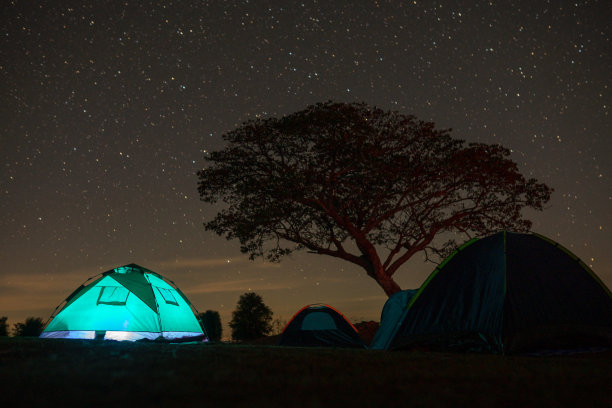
<point x="47" y="372"/>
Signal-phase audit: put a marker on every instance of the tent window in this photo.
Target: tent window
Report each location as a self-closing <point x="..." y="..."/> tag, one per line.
<point x="168" y="296"/>
<point x="113" y="295"/>
<point x="318" y="321"/>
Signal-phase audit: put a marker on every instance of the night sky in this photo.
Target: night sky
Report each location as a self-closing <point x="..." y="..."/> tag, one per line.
<point x="108" y="109"/>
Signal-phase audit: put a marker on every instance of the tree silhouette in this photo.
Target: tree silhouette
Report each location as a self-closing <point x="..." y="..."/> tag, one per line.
<point x="33" y="326"/>
<point x="365" y="185"/>
<point x="3" y="326"/>
<point x="277" y="326"/>
<point x="212" y="324"/>
<point x="251" y="319"/>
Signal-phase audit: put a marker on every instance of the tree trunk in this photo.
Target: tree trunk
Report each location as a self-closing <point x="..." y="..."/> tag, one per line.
<point x="376" y="271"/>
<point x="389" y="285"/>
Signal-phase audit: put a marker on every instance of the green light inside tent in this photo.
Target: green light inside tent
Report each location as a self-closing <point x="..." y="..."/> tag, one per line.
<point x="113" y="295"/>
<point x="123" y="269"/>
<point x="125" y="303"/>
<point x="168" y="296"/>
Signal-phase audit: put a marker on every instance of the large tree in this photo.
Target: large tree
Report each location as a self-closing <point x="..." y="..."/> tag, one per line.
<point x="368" y="186"/>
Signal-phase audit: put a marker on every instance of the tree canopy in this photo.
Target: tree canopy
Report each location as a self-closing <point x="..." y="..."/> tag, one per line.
<point x="252" y="319"/>
<point x="368" y="186"/>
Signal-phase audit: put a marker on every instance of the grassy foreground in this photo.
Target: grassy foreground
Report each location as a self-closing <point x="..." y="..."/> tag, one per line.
<point x="36" y="373"/>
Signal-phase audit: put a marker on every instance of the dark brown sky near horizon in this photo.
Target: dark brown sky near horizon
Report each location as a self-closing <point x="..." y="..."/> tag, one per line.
<point x="109" y="107"/>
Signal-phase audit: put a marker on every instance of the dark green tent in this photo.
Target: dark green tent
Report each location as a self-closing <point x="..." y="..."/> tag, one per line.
<point x="320" y="326"/>
<point x="508" y="293"/>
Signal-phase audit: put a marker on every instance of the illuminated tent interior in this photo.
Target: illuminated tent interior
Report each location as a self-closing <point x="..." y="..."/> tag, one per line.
<point x="126" y="303"/>
<point x="320" y="326"/>
<point x="506" y="293"/>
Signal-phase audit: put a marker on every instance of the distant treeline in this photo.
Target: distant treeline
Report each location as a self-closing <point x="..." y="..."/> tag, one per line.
<point x="251" y="320"/>
<point x="32" y="327"/>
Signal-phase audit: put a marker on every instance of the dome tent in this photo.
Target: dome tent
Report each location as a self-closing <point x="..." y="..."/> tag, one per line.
<point x="320" y="326"/>
<point x="126" y="303"/>
<point x="508" y="293"/>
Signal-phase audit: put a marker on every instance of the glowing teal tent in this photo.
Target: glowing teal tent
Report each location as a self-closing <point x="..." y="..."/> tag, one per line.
<point x="126" y="303"/>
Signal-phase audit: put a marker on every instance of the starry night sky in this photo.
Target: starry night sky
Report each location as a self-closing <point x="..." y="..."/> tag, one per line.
<point x="108" y="109"/>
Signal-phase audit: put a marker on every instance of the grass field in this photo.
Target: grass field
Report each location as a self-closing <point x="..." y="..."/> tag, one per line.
<point x="40" y="373"/>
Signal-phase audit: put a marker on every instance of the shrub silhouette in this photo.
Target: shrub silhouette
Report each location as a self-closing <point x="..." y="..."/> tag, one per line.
<point x="3" y="326"/>
<point x="212" y="324"/>
<point x="252" y="319"/>
<point x="33" y="326"/>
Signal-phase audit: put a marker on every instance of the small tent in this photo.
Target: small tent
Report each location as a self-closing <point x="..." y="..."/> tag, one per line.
<point x="126" y="303"/>
<point x="320" y="326"/>
<point x="507" y="293"/>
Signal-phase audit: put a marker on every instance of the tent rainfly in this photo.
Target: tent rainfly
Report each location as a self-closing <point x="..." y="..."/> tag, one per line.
<point x="126" y="303"/>
<point x="320" y="326"/>
<point x="391" y="316"/>
<point x="506" y="293"/>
